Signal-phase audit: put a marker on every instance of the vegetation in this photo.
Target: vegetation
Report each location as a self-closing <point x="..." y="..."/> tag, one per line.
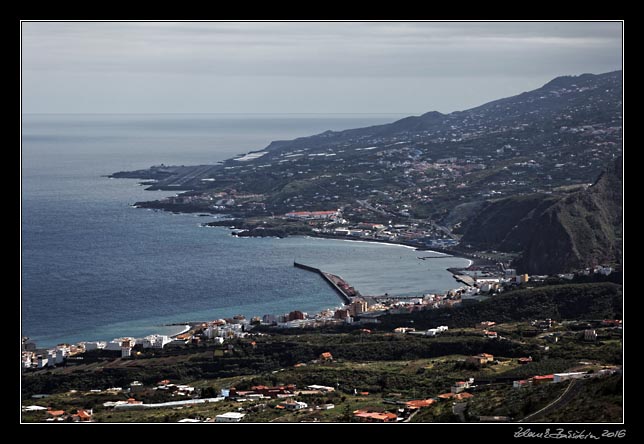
<point x="378" y="370"/>
<point x="568" y="301"/>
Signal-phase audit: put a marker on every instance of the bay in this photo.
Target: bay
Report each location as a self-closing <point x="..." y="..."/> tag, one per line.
<point x="93" y="267"/>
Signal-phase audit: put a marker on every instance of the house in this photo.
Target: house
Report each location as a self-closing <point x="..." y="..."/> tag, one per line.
<point x="326" y="356"/>
<point x="490" y="334"/>
<point x="55" y="413"/>
<point x="368" y="416"/>
<point x="292" y="405"/>
<point x="419" y="403"/>
<point x="542" y="379"/>
<point x="459" y="386"/>
<point x="524" y="361"/>
<point x="480" y="359"/>
<point x="325" y="407"/>
<point x="404" y="330"/>
<point x="83" y="415"/>
<point x="230" y="417"/>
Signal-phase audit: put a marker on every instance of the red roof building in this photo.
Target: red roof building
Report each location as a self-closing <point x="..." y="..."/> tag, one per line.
<point x="419" y="403"/>
<point x="366" y="416"/>
<point x="83" y="415"/>
<point x="544" y="378"/>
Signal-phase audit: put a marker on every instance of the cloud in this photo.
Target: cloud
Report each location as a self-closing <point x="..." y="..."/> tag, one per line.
<point x="182" y="52"/>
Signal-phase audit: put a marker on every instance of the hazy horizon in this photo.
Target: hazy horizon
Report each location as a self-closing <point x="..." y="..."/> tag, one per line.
<point x="300" y="67"/>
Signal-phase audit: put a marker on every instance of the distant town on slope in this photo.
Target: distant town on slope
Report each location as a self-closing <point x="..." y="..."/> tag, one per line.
<point x="509" y="180"/>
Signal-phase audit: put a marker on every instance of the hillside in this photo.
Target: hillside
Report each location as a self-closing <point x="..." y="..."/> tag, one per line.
<point x="555" y="233"/>
<point x="569" y="301"/>
<point x="504" y="170"/>
<point x="560" y="134"/>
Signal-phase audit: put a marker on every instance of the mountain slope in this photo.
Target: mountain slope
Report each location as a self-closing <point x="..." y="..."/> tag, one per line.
<point x="555" y="234"/>
<point x="589" y="98"/>
<point x="436" y="170"/>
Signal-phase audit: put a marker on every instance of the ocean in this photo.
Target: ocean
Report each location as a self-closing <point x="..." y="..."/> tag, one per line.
<point x="94" y="268"/>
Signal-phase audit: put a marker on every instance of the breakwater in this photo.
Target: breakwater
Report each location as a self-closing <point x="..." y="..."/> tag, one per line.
<point x="337" y="283"/>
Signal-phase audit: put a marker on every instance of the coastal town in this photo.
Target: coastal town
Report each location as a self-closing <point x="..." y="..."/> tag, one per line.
<point x="288" y="401"/>
<point x="362" y="313"/>
<point x="324" y="221"/>
<point x="479" y="283"/>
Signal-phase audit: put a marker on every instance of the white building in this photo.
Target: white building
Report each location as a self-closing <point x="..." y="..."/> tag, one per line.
<point x="437" y="330"/>
<point x="155" y="341"/>
<point x="60" y="356"/>
<point x="42" y="361"/>
<point x="603" y="270"/>
<point x="113" y="345"/>
<point x="211" y="331"/>
<point x="230" y="417"/>
<point x="95" y="345"/>
<point x="294" y="405"/>
<point x="322" y="388"/>
<point x="26" y="361"/>
<point x="126" y="352"/>
<point x="560" y="377"/>
<point x="269" y="319"/>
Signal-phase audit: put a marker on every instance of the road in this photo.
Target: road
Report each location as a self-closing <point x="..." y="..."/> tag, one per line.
<point x="562" y="400"/>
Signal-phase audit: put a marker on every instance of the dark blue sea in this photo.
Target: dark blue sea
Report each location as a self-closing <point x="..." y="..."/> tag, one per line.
<point x="94" y="268"/>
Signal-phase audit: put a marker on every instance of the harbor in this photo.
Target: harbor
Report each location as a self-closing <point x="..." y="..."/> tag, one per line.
<point x="339" y="285"/>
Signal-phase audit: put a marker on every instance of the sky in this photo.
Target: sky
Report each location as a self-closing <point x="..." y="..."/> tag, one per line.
<point x="301" y="67"/>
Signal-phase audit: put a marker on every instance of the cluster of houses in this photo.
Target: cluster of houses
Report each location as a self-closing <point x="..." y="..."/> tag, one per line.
<point x="430" y="332"/>
<point x="81" y="415"/>
<point x="282" y="391"/>
<point x="60" y="353"/>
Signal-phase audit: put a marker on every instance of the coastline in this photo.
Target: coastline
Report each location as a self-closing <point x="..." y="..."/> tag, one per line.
<point x="227" y="220"/>
<point x="186" y="328"/>
<point x="371" y="241"/>
<point x="233" y="224"/>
